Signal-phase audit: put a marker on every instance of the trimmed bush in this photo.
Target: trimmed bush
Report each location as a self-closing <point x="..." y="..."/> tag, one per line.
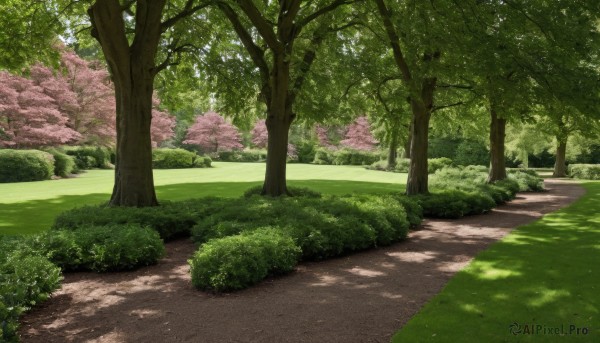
<point x="246" y="155"/>
<point x="170" y="220"/>
<point x="355" y="157"/>
<point x="239" y="261"/>
<point x="306" y="151"/>
<point x="25" y="165"/>
<point x="322" y="227"/>
<point x="323" y="156"/>
<point x="202" y="162"/>
<point x="414" y="211"/>
<point x="402" y="165"/>
<point x="379" y="165"/>
<point x="89" y="157"/>
<point x="585" y="171"/>
<point x="470" y="152"/>
<point x="174" y="159"/>
<point x="100" y="249"/>
<point x="64" y="164"/>
<point x="25" y="280"/>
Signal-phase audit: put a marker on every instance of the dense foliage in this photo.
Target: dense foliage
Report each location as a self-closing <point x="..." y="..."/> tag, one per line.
<point x="585" y="171"/>
<point x="178" y="158"/>
<point x="25" y="165"/>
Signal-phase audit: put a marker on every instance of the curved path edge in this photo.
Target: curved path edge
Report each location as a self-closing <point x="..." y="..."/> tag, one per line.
<point x="364" y="297"/>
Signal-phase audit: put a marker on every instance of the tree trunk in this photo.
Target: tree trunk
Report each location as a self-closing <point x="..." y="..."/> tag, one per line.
<point x="393" y="150"/>
<point x="279" y="120"/>
<point x="408" y="143"/>
<point x="418" y="176"/>
<point x="560" y="166"/>
<point x="132" y="68"/>
<point x="497" y="159"/>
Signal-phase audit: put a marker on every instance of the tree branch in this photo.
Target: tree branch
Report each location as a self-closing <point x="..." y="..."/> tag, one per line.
<point x="188" y="10"/>
<point x="394" y="41"/>
<point x="262" y="25"/>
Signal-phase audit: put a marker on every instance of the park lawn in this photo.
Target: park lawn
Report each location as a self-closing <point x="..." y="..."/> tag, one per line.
<point x="546" y="273"/>
<point x="30" y="207"/>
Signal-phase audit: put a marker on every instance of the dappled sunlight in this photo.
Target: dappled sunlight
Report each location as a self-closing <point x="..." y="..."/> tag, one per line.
<point x="414" y="256"/>
<point x="365" y="272"/>
<point x="543" y="296"/>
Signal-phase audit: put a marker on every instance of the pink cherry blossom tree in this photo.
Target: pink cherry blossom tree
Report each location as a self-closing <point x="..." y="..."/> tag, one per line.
<point x="29" y="115"/>
<point x="323" y="137"/>
<point x="358" y="135"/>
<point x="163" y="124"/>
<point x="94" y="117"/>
<point x="212" y="133"/>
<point x="260" y="138"/>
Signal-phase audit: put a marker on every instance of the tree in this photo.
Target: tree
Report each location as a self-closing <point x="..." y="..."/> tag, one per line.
<point x="282" y="39"/>
<point x="130" y="35"/>
<point x="212" y="133"/>
<point x="323" y="137"/>
<point x="28" y="116"/>
<point x="94" y="115"/>
<point x="358" y="135"/>
<point x="163" y="124"/>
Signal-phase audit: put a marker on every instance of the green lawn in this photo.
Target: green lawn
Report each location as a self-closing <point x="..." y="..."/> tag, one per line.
<point x="546" y="274"/>
<point x="30" y="207"/>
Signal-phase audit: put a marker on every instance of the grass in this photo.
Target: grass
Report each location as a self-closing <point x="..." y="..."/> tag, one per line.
<point x="545" y="274"/>
<point x="30" y="207"/>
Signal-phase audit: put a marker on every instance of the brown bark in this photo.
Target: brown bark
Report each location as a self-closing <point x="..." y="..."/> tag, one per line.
<point x="497" y="136"/>
<point x="132" y="69"/>
<point x="560" y="166"/>
<point x="418" y="176"/>
<point x="275" y="176"/>
<point x="393" y="150"/>
<point x="408" y="143"/>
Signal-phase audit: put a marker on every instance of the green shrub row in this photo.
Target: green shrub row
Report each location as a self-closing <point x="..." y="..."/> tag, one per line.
<point x="321" y="226"/>
<point x="239" y="261"/>
<point x="346" y="157"/>
<point x="246" y="155"/>
<point x="100" y="248"/>
<point x="403" y="164"/>
<point x="90" y="157"/>
<point x="456" y="192"/>
<point x="25" y="165"/>
<point x="64" y="165"/>
<point x="178" y="158"/>
<point x="25" y="280"/>
<point x="585" y="171"/>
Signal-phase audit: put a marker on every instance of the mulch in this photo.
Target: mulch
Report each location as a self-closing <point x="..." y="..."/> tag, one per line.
<point x="364" y="297"/>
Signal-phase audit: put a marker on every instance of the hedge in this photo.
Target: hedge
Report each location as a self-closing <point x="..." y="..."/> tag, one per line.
<point x="25" y="165"/>
<point x="64" y="165"/>
<point x="346" y="157"/>
<point x="166" y="158"/>
<point x="585" y="171"/>
<point x="89" y="157"/>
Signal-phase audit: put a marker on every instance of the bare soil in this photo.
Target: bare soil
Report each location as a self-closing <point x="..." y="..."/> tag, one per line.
<point x="364" y="297"/>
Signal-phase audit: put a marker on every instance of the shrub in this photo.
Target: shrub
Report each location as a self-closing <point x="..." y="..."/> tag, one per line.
<point x="101" y="249"/>
<point x="323" y="156"/>
<point x="239" y="261"/>
<point x="322" y="227"/>
<point x="444" y="204"/>
<point x="435" y="164"/>
<point x="63" y="163"/>
<point x="247" y="155"/>
<point x="355" y="157"/>
<point x="88" y="157"/>
<point x="306" y="151"/>
<point x="414" y="211"/>
<point x="202" y="162"/>
<point x="293" y="191"/>
<point x="585" y="171"/>
<point x="402" y="165"/>
<point x="25" y="280"/>
<point x="25" y="165"/>
<point x="379" y="165"/>
<point x="170" y="220"/>
<point x="166" y="158"/>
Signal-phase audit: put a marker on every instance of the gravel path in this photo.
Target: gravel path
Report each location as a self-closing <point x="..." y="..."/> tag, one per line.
<point x="364" y="297"/>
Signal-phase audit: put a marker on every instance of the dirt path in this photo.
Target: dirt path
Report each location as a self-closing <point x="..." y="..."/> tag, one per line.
<point x="364" y="297"/>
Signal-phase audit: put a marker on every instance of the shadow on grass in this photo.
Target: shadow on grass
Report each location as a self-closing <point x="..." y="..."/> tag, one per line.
<point x="543" y="274"/>
<point x="38" y="215"/>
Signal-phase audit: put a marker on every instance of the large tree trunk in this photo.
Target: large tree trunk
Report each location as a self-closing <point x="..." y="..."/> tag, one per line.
<point x="418" y="177"/>
<point x="132" y="69"/>
<point x="560" y="166"/>
<point x="279" y="120"/>
<point x="497" y="136"/>
<point x="275" y="176"/>
<point x="393" y="150"/>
